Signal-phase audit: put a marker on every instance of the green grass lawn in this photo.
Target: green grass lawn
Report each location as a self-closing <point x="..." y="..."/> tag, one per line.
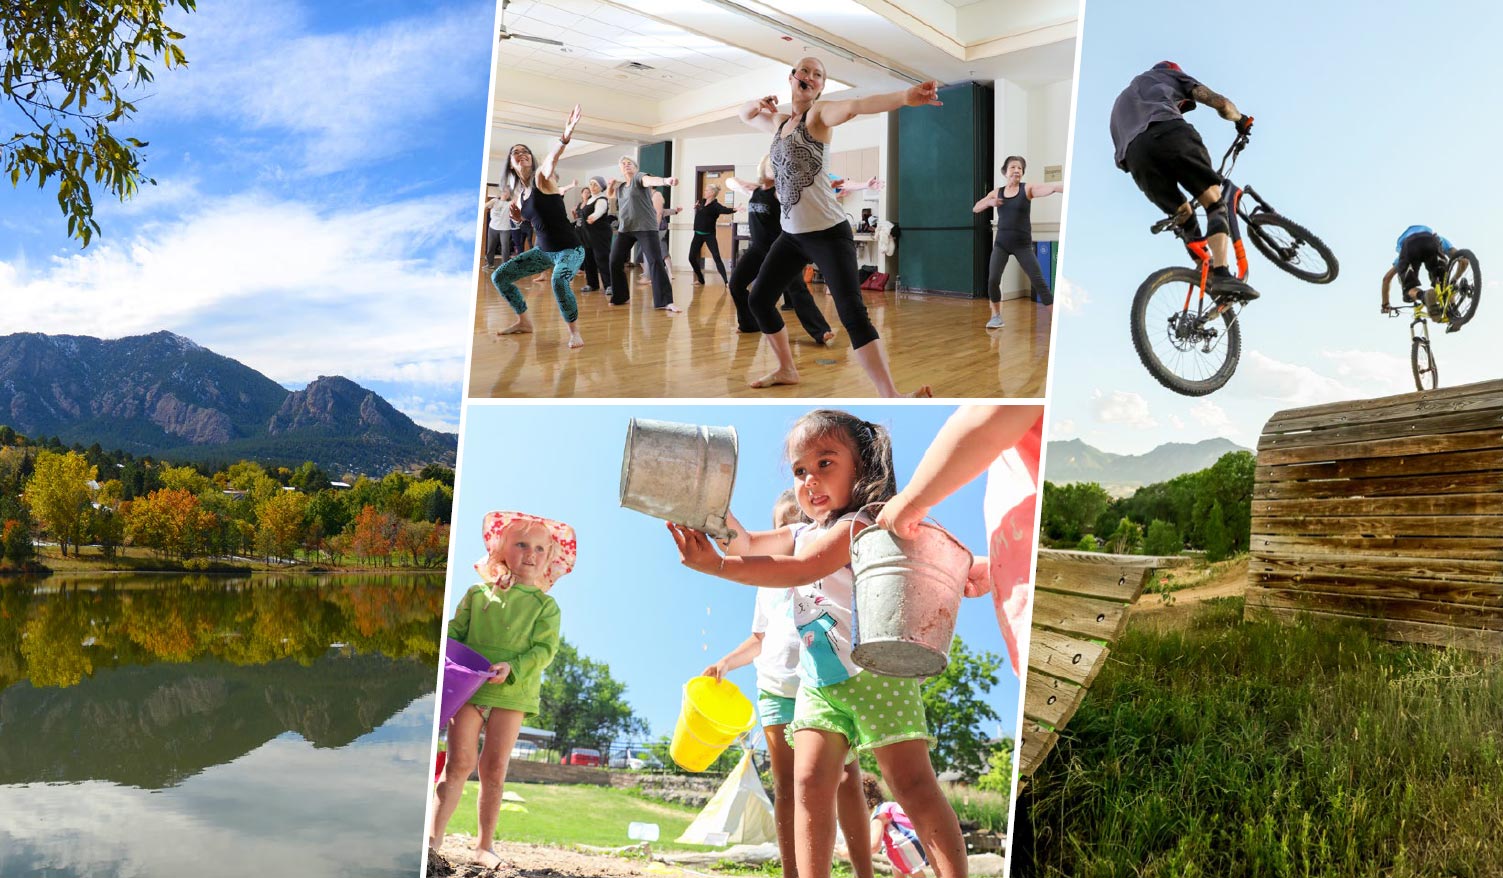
<point x="1254" y="749"/>
<point x="567" y="814"/>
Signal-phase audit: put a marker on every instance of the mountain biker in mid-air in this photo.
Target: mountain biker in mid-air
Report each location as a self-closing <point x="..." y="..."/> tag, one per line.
<point x="1419" y="245"/>
<point x="1163" y="153"/>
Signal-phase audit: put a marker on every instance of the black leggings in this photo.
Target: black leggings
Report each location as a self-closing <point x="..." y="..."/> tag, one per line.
<point x="597" y="243"/>
<point x="697" y="261"/>
<point x="834" y="251"/>
<point x="748" y="264"/>
<point x="652" y="259"/>
<point x="1022" y="250"/>
<point x="590" y="268"/>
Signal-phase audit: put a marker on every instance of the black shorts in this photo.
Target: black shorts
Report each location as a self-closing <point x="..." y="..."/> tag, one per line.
<point x="1168" y="155"/>
<point x="1420" y="249"/>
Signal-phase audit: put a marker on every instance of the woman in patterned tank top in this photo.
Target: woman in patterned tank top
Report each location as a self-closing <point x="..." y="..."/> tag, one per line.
<point x="814" y="227"/>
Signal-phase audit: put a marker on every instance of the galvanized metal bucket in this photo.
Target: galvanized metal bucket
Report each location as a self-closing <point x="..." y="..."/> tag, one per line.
<point x="683" y="473"/>
<point x="908" y="595"/>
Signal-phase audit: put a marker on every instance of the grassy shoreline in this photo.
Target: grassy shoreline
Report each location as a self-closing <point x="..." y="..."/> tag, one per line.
<point x="128" y="560"/>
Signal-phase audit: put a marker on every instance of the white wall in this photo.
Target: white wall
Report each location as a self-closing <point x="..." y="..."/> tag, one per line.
<point x="1033" y="123"/>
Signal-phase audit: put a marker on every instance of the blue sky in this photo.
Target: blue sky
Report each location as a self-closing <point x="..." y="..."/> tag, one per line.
<point x="629" y="602"/>
<point x="317" y="168"/>
<point x="1369" y="118"/>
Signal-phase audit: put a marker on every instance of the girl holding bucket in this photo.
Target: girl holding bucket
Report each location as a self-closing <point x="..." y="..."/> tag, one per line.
<point x="840" y="465"/>
<point x="774" y="648"/>
<point x="511" y="620"/>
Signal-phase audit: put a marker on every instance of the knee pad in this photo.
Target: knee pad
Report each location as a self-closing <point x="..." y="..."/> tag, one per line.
<point x="1216" y="222"/>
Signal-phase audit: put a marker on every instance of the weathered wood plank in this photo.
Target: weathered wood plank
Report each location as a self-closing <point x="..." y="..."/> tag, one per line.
<point x="1484" y="595"/>
<point x="1112" y="577"/>
<point x="1420" y="463"/>
<point x="1476" y="548"/>
<point x="1390" y="525"/>
<point x="1085" y="617"/>
<point x="1478" y="440"/>
<point x="1037" y="744"/>
<point x="1433" y="426"/>
<point x="1425" y="504"/>
<point x="1069" y="658"/>
<point x="1410" y="632"/>
<point x="1413" y="409"/>
<point x="1334" y="410"/>
<point x="1388" y="609"/>
<point x="1295" y="562"/>
<point x="1400" y="486"/>
<point x="1051" y="701"/>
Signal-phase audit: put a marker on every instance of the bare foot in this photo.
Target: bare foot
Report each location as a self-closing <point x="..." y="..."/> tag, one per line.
<point x="486" y="858"/>
<point x="829" y="337"/>
<point x="925" y="392"/>
<point x="772" y="379"/>
<point x="575" y="341"/>
<point x="522" y="325"/>
<point x="672" y="309"/>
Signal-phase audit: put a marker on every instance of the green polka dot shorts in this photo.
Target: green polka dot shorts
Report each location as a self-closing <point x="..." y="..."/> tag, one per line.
<point x="870" y="710"/>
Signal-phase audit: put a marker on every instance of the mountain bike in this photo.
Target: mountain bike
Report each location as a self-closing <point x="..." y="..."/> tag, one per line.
<point x="1187" y="338"/>
<point x="1456" y="293"/>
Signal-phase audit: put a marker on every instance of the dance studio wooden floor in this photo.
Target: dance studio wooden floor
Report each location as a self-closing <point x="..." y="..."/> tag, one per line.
<point x="635" y="351"/>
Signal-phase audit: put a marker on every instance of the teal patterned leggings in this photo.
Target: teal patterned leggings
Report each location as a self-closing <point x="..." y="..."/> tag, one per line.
<point x="565" y="263"/>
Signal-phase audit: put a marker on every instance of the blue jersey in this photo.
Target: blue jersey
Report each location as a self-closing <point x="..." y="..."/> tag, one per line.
<point x="1410" y="232"/>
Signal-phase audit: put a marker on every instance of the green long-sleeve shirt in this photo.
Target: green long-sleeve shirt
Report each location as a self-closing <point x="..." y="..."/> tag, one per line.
<point x="518" y="625"/>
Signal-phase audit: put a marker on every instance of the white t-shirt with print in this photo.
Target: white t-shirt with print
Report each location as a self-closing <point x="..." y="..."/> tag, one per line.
<point x="777" y="664"/>
<point x="822" y="614"/>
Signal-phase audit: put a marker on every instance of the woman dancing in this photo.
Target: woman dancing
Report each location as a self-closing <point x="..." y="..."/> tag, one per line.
<point x="814" y="227"/>
<point x="597" y="231"/>
<point x="764" y="225"/>
<point x="639" y="225"/>
<point x="706" y="213"/>
<point x="1015" y="234"/>
<point x="557" y="248"/>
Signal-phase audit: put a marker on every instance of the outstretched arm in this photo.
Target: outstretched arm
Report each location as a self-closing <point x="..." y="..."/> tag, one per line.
<point x="1041" y="190"/>
<point x="550" y="163"/>
<point x="649" y="180"/>
<point x="1219" y="103"/>
<point x="1387" y="280"/>
<point x="874" y="184"/>
<point x="745" y="187"/>
<point x="762" y="114"/>
<point x="987" y="202"/>
<point x="967" y="444"/>
<point x="826" y="554"/>
<point x="832" y="113"/>
<point x="739" y="657"/>
<point x="574" y="184"/>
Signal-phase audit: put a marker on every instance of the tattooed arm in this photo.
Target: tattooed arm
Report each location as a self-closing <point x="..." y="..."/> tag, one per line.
<point x="1219" y="103"/>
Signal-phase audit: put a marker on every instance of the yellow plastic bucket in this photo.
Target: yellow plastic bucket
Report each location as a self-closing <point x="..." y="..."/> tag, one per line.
<point x="714" y="714"/>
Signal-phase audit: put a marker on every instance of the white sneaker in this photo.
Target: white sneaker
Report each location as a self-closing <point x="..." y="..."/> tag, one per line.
<point x="995" y="322"/>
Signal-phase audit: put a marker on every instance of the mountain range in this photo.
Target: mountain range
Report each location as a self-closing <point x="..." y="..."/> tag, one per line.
<point x="1072" y="460"/>
<point x="166" y="396"/>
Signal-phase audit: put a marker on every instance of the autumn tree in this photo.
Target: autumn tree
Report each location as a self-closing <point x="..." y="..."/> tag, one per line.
<point x="279" y="524"/>
<point x="172" y="522"/>
<point x="58" y="494"/>
<point x="70" y="67"/>
<point x="374" y="534"/>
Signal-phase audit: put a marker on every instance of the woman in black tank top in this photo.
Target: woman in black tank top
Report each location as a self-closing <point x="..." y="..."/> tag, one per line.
<point x="1015" y="234"/>
<point x="540" y="201"/>
<point x="764" y="224"/>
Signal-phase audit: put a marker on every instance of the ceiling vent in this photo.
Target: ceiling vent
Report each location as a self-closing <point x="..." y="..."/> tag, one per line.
<point x="633" y="67"/>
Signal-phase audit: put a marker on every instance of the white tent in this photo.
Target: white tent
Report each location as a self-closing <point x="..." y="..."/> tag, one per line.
<point x="739" y="813"/>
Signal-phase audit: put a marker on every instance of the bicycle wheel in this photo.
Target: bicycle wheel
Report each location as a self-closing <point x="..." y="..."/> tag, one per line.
<point x="1292" y="247"/>
<point x="1466" y="287"/>
<point x="1426" y="373"/>
<point x="1185" y="350"/>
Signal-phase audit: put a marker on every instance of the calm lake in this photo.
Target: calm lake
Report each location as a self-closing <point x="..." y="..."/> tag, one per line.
<point x="169" y="725"/>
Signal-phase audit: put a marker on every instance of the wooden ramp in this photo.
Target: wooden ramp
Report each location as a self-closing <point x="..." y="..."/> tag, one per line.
<point x="1080" y="606"/>
<point x="1386" y="509"/>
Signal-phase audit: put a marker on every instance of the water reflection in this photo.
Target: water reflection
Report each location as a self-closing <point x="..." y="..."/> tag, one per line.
<point x="191" y="726"/>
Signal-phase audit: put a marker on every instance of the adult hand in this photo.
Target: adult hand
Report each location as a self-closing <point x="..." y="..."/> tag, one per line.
<point x="716" y="670"/>
<point x="874" y="184"/>
<point x="502" y="670"/>
<point x="923" y="95"/>
<point x="569" y="125"/>
<point x="901" y="516"/>
<point x="978" y="580"/>
<point x="695" y="550"/>
<point x="768" y="105"/>
<point x="516" y="212"/>
<point x="672" y="181"/>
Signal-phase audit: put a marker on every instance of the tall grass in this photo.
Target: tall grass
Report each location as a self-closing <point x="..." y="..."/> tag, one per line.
<point x="986" y="809"/>
<point x="1232" y="749"/>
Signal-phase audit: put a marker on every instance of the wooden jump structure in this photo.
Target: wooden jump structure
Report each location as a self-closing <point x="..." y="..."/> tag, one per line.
<point x="1385" y="509"/>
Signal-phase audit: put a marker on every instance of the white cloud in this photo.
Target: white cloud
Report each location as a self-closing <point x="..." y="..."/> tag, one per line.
<point x="1122" y="407"/>
<point x="1291" y="383"/>
<point x="291" y="290"/>
<point x="349" y="98"/>
<point x="1070" y="297"/>
<point x="1177" y="422"/>
<point x="1211" y="416"/>
<point x="1381" y="373"/>
<point x="1064" y="428"/>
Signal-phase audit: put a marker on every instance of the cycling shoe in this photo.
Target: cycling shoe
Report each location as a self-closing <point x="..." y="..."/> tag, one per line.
<point x="1227" y="287"/>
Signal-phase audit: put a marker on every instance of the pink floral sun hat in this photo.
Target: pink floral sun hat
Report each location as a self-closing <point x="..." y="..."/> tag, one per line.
<point x="492" y="568"/>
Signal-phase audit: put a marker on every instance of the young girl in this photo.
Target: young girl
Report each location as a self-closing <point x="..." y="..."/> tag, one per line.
<point x="840" y="465"/>
<point x="541" y="202"/>
<point x="774" y="647"/>
<point x="510" y="619"/>
<point x="891" y="829"/>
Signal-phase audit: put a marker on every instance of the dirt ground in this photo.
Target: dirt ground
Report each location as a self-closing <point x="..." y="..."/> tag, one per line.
<point x="535" y="861"/>
<point x="1176" y="608"/>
